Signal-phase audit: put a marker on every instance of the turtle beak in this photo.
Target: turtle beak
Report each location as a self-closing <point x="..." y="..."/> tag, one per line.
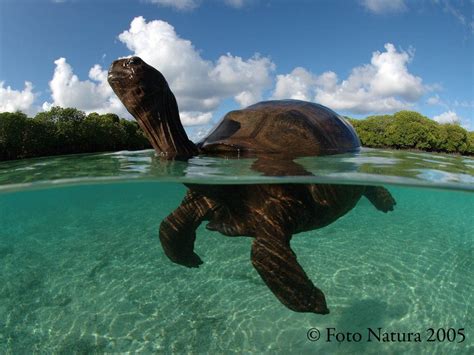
<point x="118" y="70"/>
<point x="111" y="76"/>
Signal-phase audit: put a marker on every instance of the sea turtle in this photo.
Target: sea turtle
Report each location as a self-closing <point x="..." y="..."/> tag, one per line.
<point x="274" y="132"/>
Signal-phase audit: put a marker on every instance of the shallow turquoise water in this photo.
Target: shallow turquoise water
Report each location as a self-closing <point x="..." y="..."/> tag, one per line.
<point x="81" y="267"/>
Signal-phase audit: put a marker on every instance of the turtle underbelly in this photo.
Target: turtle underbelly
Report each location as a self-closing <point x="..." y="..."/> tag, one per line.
<point x="331" y="202"/>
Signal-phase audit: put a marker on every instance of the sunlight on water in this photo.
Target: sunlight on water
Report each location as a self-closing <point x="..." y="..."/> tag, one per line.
<point x="82" y="269"/>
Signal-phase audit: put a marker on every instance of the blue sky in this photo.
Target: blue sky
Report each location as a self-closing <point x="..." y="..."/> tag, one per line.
<point x="358" y="57"/>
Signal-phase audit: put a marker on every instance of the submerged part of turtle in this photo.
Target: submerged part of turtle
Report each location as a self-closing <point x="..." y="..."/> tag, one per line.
<point x="275" y="132"/>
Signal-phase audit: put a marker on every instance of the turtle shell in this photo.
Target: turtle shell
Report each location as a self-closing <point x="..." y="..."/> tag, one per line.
<point x="292" y="127"/>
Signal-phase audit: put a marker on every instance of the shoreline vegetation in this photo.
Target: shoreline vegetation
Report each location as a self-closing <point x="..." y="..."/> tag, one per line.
<point x="410" y="130"/>
<point x="61" y="131"/>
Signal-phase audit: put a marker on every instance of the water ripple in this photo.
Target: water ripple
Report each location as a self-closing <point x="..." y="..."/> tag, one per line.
<point x="376" y="166"/>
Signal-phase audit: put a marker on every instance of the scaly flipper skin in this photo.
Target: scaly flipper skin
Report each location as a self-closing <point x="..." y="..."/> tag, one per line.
<point x="276" y="263"/>
<point x="380" y="197"/>
<point x="178" y="230"/>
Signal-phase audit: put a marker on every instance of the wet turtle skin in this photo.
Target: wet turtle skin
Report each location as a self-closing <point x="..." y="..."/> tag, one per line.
<point x="274" y="133"/>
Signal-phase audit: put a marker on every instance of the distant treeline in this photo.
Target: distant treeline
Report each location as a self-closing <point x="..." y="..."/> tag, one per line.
<point x="411" y="130"/>
<point x="69" y="131"/>
<point x="66" y="131"/>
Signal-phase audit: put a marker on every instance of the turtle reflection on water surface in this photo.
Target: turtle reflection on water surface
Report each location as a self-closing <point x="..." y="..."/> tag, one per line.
<point x="273" y="131"/>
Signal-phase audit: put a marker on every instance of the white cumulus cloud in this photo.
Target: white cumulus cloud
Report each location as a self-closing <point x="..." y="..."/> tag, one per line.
<point x="384" y="85"/>
<point x="200" y="85"/>
<point x="195" y="118"/>
<point x="301" y="84"/>
<point x="298" y="85"/>
<point x="447" y="117"/>
<point x="384" y="6"/>
<point x="94" y="95"/>
<point x="14" y="100"/>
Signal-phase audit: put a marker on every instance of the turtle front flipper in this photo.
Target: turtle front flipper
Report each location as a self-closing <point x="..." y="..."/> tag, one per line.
<point x="276" y="263"/>
<point x="178" y="230"/>
<point x="380" y="197"/>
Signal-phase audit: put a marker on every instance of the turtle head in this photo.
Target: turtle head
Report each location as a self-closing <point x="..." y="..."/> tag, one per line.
<point x="145" y="93"/>
<point x="136" y="83"/>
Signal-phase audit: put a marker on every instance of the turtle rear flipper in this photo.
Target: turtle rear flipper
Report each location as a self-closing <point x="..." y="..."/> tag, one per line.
<point x="380" y="197"/>
<point x="276" y="263"/>
<point x="178" y="230"/>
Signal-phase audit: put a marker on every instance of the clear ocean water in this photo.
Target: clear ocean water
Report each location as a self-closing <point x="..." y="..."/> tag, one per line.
<point x="82" y="269"/>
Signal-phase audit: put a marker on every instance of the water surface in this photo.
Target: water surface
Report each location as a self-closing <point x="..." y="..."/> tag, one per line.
<point x="370" y="165"/>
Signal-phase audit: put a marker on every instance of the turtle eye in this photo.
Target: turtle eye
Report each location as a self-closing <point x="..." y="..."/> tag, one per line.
<point x="133" y="61"/>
